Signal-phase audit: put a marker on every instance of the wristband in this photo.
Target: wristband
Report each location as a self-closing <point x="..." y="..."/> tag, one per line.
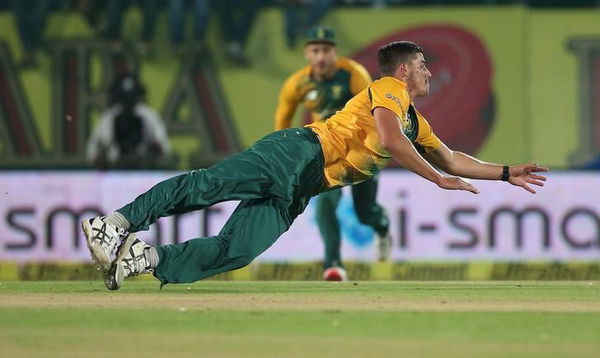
<point x="505" y="173"/>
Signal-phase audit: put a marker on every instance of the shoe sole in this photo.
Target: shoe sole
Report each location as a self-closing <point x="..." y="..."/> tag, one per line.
<point x="335" y="275"/>
<point x="334" y="278"/>
<point x="113" y="280"/>
<point x="99" y="257"/>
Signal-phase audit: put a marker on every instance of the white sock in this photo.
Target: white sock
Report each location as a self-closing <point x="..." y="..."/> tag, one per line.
<point x="152" y="256"/>
<point x="118" y="220"/>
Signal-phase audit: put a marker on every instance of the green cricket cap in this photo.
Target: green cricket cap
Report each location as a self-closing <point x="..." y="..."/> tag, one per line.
<point x="320" y="34"/>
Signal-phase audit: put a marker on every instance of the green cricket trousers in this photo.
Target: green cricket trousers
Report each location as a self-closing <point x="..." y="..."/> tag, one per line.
<point x="274" y="179"/>
<point x="368" y="211"/>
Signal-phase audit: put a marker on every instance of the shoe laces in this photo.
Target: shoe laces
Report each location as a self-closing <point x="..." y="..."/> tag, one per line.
<point x="136" y="264"/>
<point x="101" y="234"/>
<point x="113" y="245"/>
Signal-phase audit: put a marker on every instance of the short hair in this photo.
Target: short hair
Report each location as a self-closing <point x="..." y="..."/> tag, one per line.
<point x="390" y="56"/>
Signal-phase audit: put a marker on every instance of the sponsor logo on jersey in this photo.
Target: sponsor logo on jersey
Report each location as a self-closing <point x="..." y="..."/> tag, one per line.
<point x="404" y="120"/>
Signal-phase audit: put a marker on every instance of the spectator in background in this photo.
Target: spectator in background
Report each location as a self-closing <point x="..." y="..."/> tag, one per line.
<point x="31" y="16"/>
<point x="91" y="10"/>
<point x="114" y="18"/>
<point x="237" y="18"/>
<point x="300" y="15"/>
<point x="200" y="9"/>
<point x="130" y="134"/>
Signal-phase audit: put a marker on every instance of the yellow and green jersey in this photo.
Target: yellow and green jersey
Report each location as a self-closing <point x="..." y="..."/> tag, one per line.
<point x="321" y="98"/>
<point x="351" y="146"/>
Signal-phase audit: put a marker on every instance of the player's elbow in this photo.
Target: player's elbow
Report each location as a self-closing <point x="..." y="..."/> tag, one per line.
<point x="388" y="143"/>
<point x="395" y="145"/>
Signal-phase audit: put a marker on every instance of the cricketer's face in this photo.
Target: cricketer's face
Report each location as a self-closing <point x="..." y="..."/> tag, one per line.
<point x="321" y="57"/>
<point x="418" y="76"/>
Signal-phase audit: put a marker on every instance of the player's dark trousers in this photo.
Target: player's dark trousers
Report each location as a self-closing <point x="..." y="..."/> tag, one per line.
<point x="274" y="179"/>
<point x="368" y="211"/>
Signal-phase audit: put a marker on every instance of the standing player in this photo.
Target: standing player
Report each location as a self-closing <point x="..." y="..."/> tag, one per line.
<point x="324" y="87"/>
<point x="277" y="176"/>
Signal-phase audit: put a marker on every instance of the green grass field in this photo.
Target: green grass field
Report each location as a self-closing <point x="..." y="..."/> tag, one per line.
<point x="300" y="319"/>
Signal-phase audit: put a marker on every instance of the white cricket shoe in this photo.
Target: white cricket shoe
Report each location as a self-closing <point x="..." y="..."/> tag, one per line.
<point x="131" y="260"/>
<point x="102" y="240"/>
<point x="335" y="274"/>
<point x="384" y="246"/>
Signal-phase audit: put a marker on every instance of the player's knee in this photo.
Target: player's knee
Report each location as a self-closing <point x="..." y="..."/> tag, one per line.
<point x="243" y="260"/>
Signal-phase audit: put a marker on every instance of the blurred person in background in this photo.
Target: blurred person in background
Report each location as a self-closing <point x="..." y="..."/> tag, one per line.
<point x="323" y="87"/>
<point x="91" y="10"/>
<point x="129" y="133"/>
<point x="237" y="18"/>
<point x="177" y="14"/>
<point x="31" y="16"/>
<point x="276" y="177"/>
<point x="301" y="15"/>
<point x="111" y="30"/>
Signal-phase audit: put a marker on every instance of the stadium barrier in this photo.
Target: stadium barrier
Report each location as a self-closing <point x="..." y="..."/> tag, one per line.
<point x="41" y="213"/>
<point x="502" y="233"/>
